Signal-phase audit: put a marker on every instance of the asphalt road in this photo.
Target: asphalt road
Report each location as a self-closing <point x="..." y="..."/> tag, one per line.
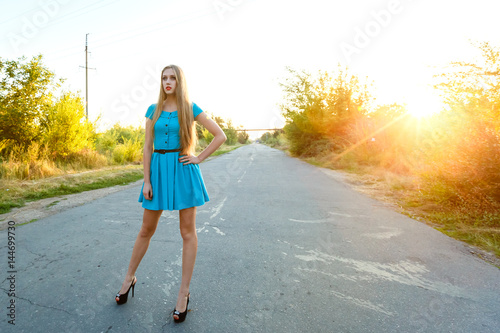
<point x="283" y="247"/>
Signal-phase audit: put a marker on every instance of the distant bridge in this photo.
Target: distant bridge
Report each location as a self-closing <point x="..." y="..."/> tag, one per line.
<point x="259" y="129"/>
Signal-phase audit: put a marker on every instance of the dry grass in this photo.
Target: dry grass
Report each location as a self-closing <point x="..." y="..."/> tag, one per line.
<point x="14" y="193"/>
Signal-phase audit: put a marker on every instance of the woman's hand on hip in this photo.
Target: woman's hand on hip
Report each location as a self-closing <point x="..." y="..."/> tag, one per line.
<point x="147" y="191"/>
<point x="189" y="159"/>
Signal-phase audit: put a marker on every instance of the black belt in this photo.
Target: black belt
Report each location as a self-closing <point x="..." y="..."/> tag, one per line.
<point x="163" y="151"/>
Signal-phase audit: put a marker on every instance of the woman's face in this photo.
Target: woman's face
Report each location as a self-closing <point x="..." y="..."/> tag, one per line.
<point x="168" y="81"/>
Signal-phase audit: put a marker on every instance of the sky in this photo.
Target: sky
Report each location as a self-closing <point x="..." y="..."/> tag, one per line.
<point x="234" y="52"/>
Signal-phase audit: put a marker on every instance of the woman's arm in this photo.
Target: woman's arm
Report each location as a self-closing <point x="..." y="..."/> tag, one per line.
<point x="218" y="140"/>
<point x="146" y="160"/>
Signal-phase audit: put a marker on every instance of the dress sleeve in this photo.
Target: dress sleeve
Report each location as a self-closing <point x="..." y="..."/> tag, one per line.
<point x="196" y="110"/>
<point x="151" y="111"/>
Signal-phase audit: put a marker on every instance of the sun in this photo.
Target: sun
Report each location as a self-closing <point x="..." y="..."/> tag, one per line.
<point x="421" y="110"/>
<point x="424" y="105"/>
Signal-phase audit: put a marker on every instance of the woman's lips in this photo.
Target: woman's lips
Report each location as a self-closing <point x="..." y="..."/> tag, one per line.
<point x="168" y="88"/>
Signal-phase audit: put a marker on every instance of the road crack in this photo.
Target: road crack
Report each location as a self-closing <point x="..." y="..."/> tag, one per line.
<point x="40" y="305"/>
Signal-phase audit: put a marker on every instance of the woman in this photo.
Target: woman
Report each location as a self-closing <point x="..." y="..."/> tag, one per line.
<point x="172" y="177"/>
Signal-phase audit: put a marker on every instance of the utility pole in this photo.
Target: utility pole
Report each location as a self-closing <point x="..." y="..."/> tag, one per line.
<point x="86" y="78"/>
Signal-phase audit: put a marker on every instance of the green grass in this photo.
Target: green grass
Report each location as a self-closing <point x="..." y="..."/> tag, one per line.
<point x="481" y="230"/>
<point x="313" y="161"/>
<point x="31" y="221"/>
<point x="6" y="205"/>
<point x="53" y="203"/>
<point x="484" y="239"/>
<point x="77" y="187"/>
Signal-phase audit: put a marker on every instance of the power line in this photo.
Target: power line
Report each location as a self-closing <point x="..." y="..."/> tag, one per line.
<point x="162" y="25"/>
<point x="15" y="17"/>
<point x="62" y="17"/>
<point x="111" y="39"/>
<point x="67" y="17"/>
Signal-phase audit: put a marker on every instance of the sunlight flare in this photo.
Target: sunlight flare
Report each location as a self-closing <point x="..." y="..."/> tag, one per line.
<point x="424" y="104"/>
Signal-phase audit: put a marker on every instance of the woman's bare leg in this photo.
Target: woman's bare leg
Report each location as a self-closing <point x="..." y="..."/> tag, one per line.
<point x="149" y="223"/>
<point x="187" y="224"/>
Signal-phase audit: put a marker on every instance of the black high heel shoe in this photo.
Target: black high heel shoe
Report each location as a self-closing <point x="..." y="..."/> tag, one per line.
<point x="181" y="315"/>
<point x="122" y="298"/>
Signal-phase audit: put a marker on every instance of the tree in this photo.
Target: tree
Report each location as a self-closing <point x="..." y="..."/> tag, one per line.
<point x="65" y="128"/>
<point x="25" y="97"/>
<point x="388" y="112"/>
<point x="199" y="130"/>
<point x="320" y="109"/>
<point x="473" y="89"/>
<point x="231" y="134"/>
<point x="243" y="137"/>
<point x="466" y="154"/>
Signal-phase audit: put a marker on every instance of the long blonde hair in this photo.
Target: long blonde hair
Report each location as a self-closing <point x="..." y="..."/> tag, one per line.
<point x="187" y="131"/>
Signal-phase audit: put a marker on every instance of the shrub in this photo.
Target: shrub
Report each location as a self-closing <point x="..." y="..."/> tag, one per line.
<point x="129" y="151"/>
<point x="243" y="137"/>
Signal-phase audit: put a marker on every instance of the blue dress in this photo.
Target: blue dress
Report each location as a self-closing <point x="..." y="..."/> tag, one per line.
<point x="175" y="186"/>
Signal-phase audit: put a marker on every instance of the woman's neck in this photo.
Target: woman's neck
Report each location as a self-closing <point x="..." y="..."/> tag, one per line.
<point x="170" y="103"/>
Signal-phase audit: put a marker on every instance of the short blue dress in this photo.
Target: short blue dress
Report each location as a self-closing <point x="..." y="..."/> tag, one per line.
<point x="175" y="185"/>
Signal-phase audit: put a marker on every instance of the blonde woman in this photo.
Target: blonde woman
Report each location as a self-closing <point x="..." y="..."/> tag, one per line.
<point x="172" y="177"/>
